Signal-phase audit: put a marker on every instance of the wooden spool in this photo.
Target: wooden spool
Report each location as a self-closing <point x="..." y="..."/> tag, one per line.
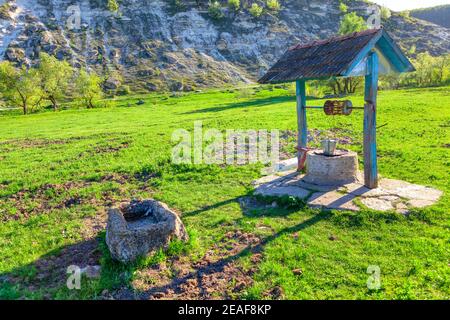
<point x="338" y="108"/>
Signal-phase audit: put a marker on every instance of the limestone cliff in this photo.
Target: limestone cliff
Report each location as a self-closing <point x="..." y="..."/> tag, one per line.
<point x="154" y="44"/>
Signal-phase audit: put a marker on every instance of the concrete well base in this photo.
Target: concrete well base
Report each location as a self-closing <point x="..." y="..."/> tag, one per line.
<point x="332" y="171"/>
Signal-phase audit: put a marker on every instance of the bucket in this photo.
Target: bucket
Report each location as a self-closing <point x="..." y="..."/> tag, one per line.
<point x="329" y="147"/>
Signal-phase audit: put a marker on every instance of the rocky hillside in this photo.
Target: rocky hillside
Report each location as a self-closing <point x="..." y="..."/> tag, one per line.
<point x="439" y="15"/>
<point x="177" y="45"/>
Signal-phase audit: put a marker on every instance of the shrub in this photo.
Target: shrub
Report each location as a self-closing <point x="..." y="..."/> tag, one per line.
<point x="343" y="7"/>
<point x="256" y="10"/>
<point x="385" y="13"/>
<point x="124" y="90"/>
<point x="4" y="11"/>
<point x="352" y="23"/>
<point x="405" y="14"/>
<point x="177" y="4"/>
<point x="430" y="71"/>
<point x="273" y="5"/>
<point x="113" y="6"/>
<point x="215" y="10"/>
<point x="234" y="5"/>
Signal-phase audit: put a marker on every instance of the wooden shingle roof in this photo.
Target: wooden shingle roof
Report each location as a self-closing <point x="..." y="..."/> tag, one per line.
<point x="335" y="57"/>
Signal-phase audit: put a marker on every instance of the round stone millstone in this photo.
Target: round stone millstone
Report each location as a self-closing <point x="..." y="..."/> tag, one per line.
<point x="140" y="228"/>
<point x="332" y="171"/>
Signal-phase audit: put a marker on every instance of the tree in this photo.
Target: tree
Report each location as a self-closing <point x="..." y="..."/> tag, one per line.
<point x="442" y="68"/>
<point x="350" y="23"/>
<point x="88" y="88"/>
<point x="430" y="71"/>
<point x="19" y="86"/>
<point x="424" y="67"/>
<point x="54" y="77"/>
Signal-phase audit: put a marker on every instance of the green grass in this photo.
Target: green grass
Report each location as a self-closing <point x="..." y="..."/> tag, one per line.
<point x="72" y="152"/>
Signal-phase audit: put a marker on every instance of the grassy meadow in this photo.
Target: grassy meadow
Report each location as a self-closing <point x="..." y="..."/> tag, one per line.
<point x="59" y="171"/>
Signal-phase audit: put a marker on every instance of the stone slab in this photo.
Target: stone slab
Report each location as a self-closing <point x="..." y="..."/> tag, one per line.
<point x="378" y="204"/>
<point x="410" y="191"/>
<point x="392" y="195"/>
<point x="266" y="179"/>
<point x="283" y="191"/>
<point x="313" y="187"/>
<point x="333" y="200"/>
<point x="287" y="165"/>
<point x="419" y="203"/>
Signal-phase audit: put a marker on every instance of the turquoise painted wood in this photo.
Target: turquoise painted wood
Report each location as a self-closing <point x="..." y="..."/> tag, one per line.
<point x="301" y="115"/>
<point x="388" y="48"/>
<point x="394" y="54"/>
<point x="370" y="123"/>
<point x="362" y="54"/>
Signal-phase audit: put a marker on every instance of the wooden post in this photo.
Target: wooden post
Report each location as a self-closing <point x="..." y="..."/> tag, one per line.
<point x="302" y="139"/>
<point x="370" y="123"/>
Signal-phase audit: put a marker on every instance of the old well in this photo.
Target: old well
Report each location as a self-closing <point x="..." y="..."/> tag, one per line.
<point x="139" y="228"/>
<point x="332" y="179"/>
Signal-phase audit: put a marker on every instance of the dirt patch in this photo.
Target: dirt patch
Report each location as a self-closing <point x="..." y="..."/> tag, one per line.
<point x="275" y="293"/>
<point x="93" y="225"/>
<point x="113" y="147"/>
<point x="114" y="143"/>
<point x="218" y="275"/>
<point x="67" y="195"/>
<point x="30" y="143"/>
<point x="446" y="124"/>
<point x="27" y="202"/>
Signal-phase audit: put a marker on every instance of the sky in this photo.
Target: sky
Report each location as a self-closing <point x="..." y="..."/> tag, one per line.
<point x="399" y="5"/>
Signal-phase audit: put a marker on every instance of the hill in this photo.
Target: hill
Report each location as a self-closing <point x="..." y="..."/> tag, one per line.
<point x="439" y="15"/>
<point x="149" y="45"/>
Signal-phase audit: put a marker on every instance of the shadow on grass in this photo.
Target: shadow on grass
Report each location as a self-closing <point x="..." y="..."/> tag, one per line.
<point x="255" y="206"/>
<point x="210" y="207"/>
<point x="176" y="284"/>
<point x="46" y="277"/>
<point x="48" y="274"/>
<point x="245" y="104"/>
